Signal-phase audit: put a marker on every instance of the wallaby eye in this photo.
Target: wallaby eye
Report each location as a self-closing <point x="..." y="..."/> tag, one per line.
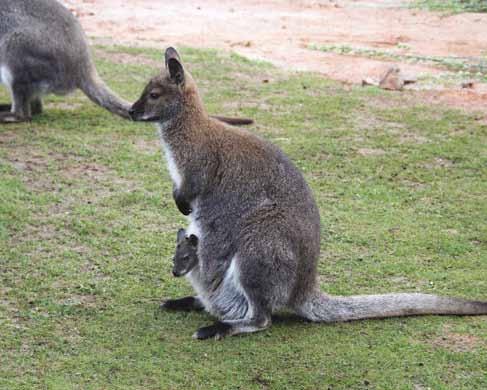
<point x="154" y="95"/>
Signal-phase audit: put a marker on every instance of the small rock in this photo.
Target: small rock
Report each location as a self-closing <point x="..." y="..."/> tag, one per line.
<point x="392" y="80"/>
<point x="370" y="81"/>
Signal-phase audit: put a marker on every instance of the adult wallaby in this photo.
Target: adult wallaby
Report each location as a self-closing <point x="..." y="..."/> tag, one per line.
<point x="186" y="256"/>
<point x="43" y="50"/>
<point x="257" y="222"/>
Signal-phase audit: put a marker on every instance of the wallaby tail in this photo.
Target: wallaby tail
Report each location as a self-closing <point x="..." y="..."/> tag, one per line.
<point x="320" y="307"/>
<point x="233" y="121"/>
<point x="98" y="92"/>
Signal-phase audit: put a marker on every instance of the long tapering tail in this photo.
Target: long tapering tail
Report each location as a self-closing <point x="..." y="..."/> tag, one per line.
<point x="320" y="307"/>
<point x="98" y="92"/>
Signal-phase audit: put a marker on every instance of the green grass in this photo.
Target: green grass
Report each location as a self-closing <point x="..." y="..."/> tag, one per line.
<point x="88" y="227"/>
<point x="452" y="5"/>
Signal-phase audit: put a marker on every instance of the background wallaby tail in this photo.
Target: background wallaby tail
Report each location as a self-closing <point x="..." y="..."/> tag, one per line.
<point x="324" y="308"/>
<point x="233" y="121"/>
<point x="98" y="92"/>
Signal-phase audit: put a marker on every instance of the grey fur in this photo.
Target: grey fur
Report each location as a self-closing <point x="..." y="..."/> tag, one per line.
<point x="257" y="222"/>
<point x="43" y="50"/>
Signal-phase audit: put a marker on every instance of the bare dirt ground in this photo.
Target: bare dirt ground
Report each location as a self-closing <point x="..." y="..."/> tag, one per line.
<point x="283" y="33"/>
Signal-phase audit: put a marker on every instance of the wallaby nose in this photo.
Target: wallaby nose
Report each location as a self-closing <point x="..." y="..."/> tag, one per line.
<point x="175" y="273"/>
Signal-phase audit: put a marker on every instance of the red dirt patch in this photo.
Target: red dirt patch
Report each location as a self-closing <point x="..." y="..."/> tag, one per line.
<point x="281" y="32"/>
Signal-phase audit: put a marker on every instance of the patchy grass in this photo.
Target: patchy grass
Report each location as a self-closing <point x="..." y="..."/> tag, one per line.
<point x="87" y="230"/>
<point x="456" y="6"/>
<point x="464" y="66"/>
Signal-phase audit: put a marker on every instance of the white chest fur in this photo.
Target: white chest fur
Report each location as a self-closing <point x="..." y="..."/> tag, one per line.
<point x="171" y="162"/>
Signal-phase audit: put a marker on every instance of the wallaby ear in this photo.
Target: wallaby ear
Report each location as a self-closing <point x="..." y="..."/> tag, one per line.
<point x="171" y="52"/>
<point x="193" y="240"/>
<point x="173" y="64"/>
<point x="176" y="71"/>
<point x="181" y="235"/>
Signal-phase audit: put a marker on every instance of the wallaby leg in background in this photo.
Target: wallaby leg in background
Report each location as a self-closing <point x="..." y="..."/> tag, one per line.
<point x="183" y="304"/>
<point x="36" y="106"/>
<point x="21" y="108"/>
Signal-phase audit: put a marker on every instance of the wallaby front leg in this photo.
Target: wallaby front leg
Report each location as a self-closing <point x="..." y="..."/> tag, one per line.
<point x="183" y="304"/>
<point x="186" y="192"/>
<point x="182" y="203"/>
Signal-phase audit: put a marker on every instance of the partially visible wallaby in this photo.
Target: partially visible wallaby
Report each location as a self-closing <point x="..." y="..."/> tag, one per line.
<point x="186" y="256"/>
<point x="43" y="50"/>
<point x="257" y="222"/>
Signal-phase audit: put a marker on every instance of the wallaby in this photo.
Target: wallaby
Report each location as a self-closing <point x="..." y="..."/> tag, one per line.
<point x="256" y="219"/>
<point x="43" y="50"/>
<point x="186" y="256"/>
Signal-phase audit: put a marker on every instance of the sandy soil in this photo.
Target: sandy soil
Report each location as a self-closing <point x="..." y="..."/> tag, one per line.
<point x="282" y="31"/>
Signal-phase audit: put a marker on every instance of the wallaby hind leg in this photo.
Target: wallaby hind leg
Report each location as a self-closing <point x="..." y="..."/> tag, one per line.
<point x="260" y="320"/>
<point x="36" y="106"/>
<point x="21" y="106"/>
<point x="183" y="304"/>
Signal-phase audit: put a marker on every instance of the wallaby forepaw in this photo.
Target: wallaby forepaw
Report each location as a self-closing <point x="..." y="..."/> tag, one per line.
<point x="216" y="331"/>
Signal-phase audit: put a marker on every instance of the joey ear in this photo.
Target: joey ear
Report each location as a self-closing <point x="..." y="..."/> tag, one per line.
<point x="181" y="235"/>
<point x="193" y="240"/>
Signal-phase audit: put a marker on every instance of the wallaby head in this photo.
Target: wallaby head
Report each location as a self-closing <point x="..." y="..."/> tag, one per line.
<point x="167" y="94"/>
<point x="186" y="256"/>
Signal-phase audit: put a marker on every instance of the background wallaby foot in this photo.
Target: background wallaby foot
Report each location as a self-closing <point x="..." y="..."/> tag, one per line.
<point x="184" y="304"/>
<point x="9" y="117"/>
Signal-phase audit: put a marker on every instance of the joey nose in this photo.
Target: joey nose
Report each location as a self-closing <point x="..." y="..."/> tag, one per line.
<point x="132" y="113"/>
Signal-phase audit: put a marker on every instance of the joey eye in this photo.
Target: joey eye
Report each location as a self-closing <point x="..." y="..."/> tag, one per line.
<point x="154" y="95"/>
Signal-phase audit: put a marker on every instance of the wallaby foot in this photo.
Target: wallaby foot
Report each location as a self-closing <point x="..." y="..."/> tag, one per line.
<point x="9" y="117"/>
<point x="183" y="304"/>
<point x="35" y="107"/>
<point x="221" y="329"/>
